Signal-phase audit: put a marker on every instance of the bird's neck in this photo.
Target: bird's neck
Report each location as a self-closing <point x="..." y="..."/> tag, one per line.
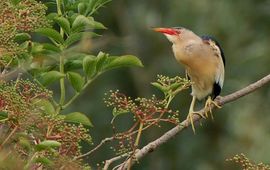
<point x="185" y="52"/>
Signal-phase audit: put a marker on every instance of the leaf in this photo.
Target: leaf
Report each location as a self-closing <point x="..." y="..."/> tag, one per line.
<point x="175" y="86"/>
<point x="160" y="87"/>
<point x="73" y="65"/>
<point x="75" y="37"/>
<point x="45" y="105"/>
<point x="50" y="77"/>
<point x="44" y="161"/>
<point x="82" y="22"/>
<point x="36" y="48"/>
<point x="63" y="23"/>
<point x="89" y="66"/>
<point x="51" y="47"/>
<point x="96" y="24"/>
<point x="116" y="112"/>
<point x="52" y="15"/>
<point x="122" y="61"/>
<point x="47" y="144"/>
<point x="77" y="117"/>
<point x="82" y="8"/>
<point x="21" y="37"/>
<point x="76" y="80"/>
<point x="3" y="115"/>
<point x="15" y="2"/>
<point x="25" y="143"/>
<point x="101" y="58"/>
<point x="51" y="34"/>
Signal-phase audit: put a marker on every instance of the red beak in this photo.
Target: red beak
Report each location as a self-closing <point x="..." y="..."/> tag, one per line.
<point x="169" y="31"/>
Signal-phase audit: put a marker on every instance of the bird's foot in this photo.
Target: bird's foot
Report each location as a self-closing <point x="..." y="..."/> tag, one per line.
<point x="208" y="107"/>
<point x="190" y="118"/>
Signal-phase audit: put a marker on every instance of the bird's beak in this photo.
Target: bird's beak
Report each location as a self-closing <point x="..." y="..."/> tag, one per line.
<point x="170" y="31"/>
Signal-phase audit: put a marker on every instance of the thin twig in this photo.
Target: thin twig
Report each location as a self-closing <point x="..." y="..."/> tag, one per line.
<point x="150" y="147"/>
<point x="96" y="148"/>
<point x="110" y="161"/>
<point x="8" y="137"/>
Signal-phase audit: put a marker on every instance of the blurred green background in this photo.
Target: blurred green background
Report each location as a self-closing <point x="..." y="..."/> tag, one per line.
<point x="243" y="30"/>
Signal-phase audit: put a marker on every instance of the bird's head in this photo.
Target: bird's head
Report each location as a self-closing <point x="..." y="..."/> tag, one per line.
<point x="177" y="34"/>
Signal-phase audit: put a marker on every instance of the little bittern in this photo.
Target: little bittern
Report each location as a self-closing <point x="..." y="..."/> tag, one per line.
<point x="204" y="62"/>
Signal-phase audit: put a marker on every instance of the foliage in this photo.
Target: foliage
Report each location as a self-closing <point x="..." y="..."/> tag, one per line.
<point x="34" y="130"/>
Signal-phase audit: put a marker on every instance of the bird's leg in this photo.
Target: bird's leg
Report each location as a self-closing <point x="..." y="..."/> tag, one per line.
<point x="208" y="108"/>
<point x="191" y="112"/>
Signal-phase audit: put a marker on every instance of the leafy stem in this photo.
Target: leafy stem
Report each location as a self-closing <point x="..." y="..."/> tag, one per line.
<point x="73" y="98"/>
<point x="61" y="64"/>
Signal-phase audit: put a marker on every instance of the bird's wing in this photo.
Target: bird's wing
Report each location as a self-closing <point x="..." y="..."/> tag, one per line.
<point x="220" y="73"/>
<point x="219" y="80"/>
<point x="208" y="37"/>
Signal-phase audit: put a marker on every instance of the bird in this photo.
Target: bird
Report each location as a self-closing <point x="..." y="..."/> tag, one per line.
<point x="204" y="62"/>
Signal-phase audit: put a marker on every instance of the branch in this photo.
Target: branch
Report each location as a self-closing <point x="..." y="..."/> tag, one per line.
<point x="96" y="148"/>
<point x="150" y="147"/>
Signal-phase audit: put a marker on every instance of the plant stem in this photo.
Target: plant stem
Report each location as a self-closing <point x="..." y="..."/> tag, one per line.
<point x="139" y="135"/>
<point x="61" y="64"/>
<point x="9" y="136"/>
<point x="78" y="94"/>
<point x="136" y="144"/>
<point x="169" y="101"/>
<point x="62" y="82"/>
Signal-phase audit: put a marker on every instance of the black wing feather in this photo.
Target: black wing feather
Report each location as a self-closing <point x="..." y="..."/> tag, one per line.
<point x="216" y="90"/>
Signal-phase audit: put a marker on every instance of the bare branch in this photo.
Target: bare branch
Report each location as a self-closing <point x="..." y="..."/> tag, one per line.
<point x="150" y="147"/>
<point x="96" y="148"/>
<point x="110" y="161"/>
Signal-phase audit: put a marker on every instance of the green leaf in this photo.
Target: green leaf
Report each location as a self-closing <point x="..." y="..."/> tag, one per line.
<point x="45" y="105"/>
<point x="175" y="86"/>
<point x="76" y="80"/>
<point x="51" y="34"/>
<point x="47" y="144"/>
<point x="3" y="115"/>
<point x="50" y="77"/>
<point x="36" y="49"/>
<point x="75" y="37"/>
<point x="44" y="161"/>
<point x="122" y="61"/>
<point x="25" y="143"/>
<point x="82" y="22"/>
<point x="101" y="58"/>
<point x="96" y="24"/>
<point x="52" y="15"/>
<point x="21" y="37"/>
<point x="73" y="65"/>
<point x="15" y="2"/>
<point x="116" y="112"/>
<point x="63" y="23"/>
<point x="160" y="87"/>
<point x="51" y="47"/>
<point x="77" y="117"/>
<point x="82" y="8"/>
<point x="89" y="66"/>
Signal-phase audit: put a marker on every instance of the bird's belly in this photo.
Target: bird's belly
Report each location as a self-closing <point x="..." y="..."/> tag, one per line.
<point x="202" y="83"/>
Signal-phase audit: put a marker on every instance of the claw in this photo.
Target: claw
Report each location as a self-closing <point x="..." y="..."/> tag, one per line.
<point x="208" y="107"/>
<point x="190" y="118"/>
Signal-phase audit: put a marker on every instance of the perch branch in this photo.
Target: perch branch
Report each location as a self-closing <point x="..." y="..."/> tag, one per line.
<point x="150" y="147"/>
